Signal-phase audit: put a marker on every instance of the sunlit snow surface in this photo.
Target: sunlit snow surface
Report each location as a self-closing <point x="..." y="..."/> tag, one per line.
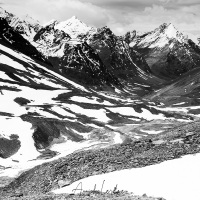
<point x="74" y="27"/>
<point x="162" y="38"/>
<point x="16" y="126"/>
<point x="151" y="131"/>
<point x="173" y="180"/>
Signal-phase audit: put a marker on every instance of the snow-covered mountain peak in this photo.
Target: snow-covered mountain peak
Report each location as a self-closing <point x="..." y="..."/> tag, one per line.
<point x="167" y="51"/>
<point x="169" y="30"/>
<point x="74" y="18"/>
<point x="164" y="35"/>
<point x="74" y="27"/>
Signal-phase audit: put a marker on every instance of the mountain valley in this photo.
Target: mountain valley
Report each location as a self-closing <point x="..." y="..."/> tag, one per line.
<point x="78" y="102"/>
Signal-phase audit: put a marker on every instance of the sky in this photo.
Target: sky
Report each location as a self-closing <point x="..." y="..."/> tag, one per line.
<point x="119" y="15"/>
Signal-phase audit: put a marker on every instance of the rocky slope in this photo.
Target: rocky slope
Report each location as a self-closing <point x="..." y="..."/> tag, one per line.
<point x="53" y="35"/>
<point x="124" y="62"/>
<point x="51" y="41"/>
<point x="72" y="56"/>
<point x="168" y="52"/>
<point x="183" y="91"/>
<point x="95" y="56"/>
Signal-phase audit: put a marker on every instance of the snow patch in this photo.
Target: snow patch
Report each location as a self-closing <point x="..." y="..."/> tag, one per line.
<point x="117" y="138"/>
<point x="151" y="131"/>
<point x="27" y="151"/>
<point x="10" y="62"/>
<point x="174" y="180"/>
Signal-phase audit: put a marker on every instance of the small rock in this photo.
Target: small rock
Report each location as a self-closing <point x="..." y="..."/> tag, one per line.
<point x="63" y="183"/>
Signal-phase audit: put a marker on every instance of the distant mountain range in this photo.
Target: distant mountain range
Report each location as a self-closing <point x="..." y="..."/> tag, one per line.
<point x="95" y="55"/>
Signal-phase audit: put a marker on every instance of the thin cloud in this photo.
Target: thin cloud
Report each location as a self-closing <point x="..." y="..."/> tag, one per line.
<point x="151" y="17"/>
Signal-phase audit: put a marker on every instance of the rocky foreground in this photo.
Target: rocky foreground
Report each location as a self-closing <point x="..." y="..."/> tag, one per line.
<point x="151" y="150"/>
<point x="92" y="195"/>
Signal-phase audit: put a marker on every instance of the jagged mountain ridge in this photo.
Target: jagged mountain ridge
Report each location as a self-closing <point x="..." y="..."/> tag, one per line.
<point x="51" y="41"/>
<point x="72" y="56"/>
<point x="12" y="38"/>
<point x="25" y="26"/>
<point x="73" y="27"/>
<point x="177" y="54"/>
<point x="82" y="63"/>
<point x="124" y="62"/>
<point x="168" y="52"/>
<point x="109" y="54"/>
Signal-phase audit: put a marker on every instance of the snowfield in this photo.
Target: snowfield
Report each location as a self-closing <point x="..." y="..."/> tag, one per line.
<point x="173" y="180"/>
<point x="8" y="105"/>
<point x="27" y="151"/>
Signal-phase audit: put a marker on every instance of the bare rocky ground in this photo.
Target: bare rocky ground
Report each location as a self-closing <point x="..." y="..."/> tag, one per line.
<point x="150" y="150"/>
<point x="89" y="195"/>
